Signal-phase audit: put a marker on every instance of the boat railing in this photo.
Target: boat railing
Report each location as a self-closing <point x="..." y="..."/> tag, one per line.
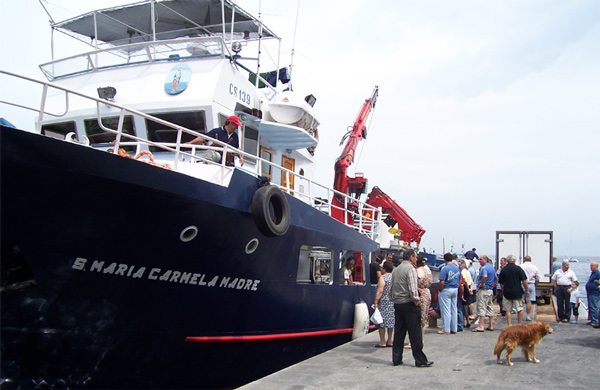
<point x="142" y="53"/>
<point x="135" y="54"/>
<point x="358" y="215"/>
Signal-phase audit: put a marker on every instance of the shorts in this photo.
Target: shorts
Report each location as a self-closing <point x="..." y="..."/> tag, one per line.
<point x="575" y="309"/>
<point x="507" y="304"/>
<point x="485" y="307"/>
<point x="531" y="297"/>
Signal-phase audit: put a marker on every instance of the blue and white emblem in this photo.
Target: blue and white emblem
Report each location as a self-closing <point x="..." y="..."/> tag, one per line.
<point x="178" y="79"/>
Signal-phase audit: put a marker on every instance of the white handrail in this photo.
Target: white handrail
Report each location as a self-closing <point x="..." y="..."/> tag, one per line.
<point x="361" y="223"/>
<point x="143" y="48"/>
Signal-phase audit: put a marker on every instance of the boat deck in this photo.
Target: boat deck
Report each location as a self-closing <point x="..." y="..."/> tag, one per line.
<point x="569" y="359"/>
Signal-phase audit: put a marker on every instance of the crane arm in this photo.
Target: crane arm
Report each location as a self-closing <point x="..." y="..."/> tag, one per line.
<point x="341" y="180"/>
<point x="358" y="132"/>
<point x="411" y="231"/>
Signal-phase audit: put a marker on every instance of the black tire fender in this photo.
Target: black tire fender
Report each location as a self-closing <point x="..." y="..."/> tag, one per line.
<point x="271" y="211"/>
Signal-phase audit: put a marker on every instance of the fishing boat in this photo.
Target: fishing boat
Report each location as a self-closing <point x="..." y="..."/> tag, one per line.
<point x="132" y="258"/>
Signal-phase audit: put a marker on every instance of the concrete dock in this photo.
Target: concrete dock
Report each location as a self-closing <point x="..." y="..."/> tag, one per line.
<point x="570" y="359"/>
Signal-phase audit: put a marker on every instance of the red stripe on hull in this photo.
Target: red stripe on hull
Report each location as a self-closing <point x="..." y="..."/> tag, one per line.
<point x="280" y="336"/>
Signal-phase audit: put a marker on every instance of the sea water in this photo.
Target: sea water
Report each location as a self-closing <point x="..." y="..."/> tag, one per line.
<point x="582" y="271"/>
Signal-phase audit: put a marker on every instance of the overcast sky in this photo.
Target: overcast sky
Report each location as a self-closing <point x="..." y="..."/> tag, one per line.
<point x="488" y="116"/>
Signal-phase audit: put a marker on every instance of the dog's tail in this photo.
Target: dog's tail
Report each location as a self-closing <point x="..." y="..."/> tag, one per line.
<point x="499" y="346"/>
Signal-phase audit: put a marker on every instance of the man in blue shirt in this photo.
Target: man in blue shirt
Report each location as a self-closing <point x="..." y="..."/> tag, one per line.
<point x="593" y="294"/>
<point x="448" y="295"/>
<point x="225" y="134"/>
<point x="556" y="265"/>
<point x="485" y="283"/>
<point x="471" y="255"/>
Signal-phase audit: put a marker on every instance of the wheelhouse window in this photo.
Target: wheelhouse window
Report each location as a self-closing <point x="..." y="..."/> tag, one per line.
<point x="265" y="168"/>
<point x="351" y="267"/>
<point x="193" y="120"/>
<point x="58" y="130"/>
<point x="222" y="119"/>
<point x="314" y="265"/>
<point x="251" y="142"/>
<point x="98" y="136"/>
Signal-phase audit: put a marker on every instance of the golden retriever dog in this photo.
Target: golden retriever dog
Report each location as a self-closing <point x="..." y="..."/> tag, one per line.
<point x="525" y="336"/>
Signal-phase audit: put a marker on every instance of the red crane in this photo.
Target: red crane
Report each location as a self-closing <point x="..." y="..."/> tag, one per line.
<point x="342" y="182"/>
<point x="345" y="212"/>
<point x="411" y="231"/>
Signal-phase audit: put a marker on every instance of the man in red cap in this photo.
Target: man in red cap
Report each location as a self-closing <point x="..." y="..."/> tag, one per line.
<point x="225" y="134"/>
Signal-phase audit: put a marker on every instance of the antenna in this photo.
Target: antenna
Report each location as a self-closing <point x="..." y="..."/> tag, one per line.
<point x="50" y="16"/>
<point x="260" y="32"/>
<point x="294" y="42"/>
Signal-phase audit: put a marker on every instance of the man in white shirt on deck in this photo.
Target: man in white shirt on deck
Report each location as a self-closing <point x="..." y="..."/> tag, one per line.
<point x="533" y="277"/>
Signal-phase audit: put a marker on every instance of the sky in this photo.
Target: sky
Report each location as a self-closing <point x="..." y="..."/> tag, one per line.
<point x="488" y="116"/>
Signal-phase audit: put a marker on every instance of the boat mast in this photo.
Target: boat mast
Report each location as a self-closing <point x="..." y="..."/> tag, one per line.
<point x="294" y="44"/>
<point x="259" y="45"/>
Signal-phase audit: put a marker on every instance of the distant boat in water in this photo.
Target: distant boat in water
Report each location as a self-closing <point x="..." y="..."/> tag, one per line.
<point x="572" y="260"/>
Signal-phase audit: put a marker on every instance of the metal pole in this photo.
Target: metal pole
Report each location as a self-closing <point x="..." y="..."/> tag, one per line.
<point x="95" y="39"/>
<point x="232" y="19"/>
<point x="259" y="43"/>
<point x="153" y="15"/>
<point x="223" y="17"/>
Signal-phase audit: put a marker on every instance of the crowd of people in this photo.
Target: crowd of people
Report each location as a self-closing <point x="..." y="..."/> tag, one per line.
<point x="465" y="296"/>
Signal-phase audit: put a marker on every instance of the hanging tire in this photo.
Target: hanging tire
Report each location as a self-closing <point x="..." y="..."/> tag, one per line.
<point x="271" y="211"/>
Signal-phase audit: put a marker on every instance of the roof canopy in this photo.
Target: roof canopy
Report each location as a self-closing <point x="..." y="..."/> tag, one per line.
<point x="172" y="19"/>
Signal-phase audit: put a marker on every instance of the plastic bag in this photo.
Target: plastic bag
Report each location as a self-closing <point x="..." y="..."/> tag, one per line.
<point x="376" y="318"/>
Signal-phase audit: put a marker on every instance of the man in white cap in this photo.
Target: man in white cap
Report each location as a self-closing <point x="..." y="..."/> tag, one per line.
<point x="225" y="134"/>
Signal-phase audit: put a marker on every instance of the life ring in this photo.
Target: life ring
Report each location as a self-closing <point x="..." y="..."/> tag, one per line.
<point x="150" y="159"/>
<point x="271" y="211"/>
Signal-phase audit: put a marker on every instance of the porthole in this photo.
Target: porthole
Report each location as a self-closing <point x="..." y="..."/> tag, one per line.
<point x="188" y="234"/>
<point x="252" y="245"/>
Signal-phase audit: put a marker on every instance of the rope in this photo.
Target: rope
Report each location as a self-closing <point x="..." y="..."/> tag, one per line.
<point x="151" y="159"/>
<point x="123" y="153"/>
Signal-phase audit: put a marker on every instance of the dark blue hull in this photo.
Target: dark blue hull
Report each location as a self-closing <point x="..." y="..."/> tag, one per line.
<point x="114" y="295"/>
